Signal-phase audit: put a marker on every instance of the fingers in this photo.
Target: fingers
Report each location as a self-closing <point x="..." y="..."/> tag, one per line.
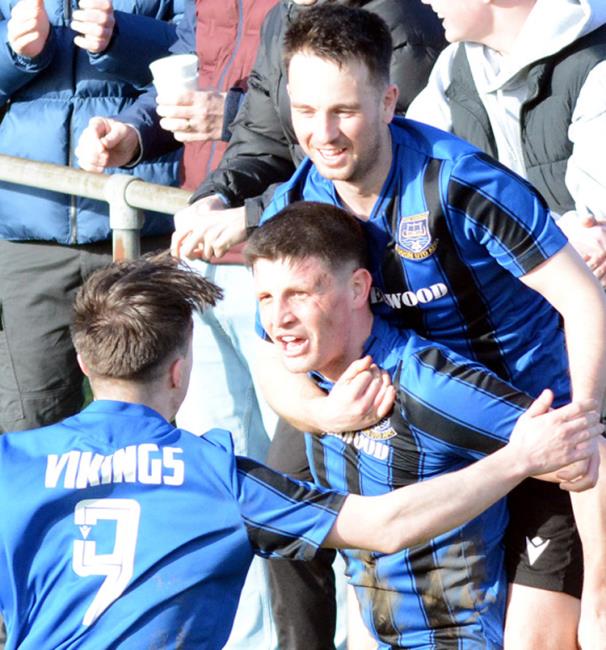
<point x="370" y="393"/>
<point x="542" y="404"/>
<point x="387" y="402"/>
<point x="176" y="243"/>
<point x="177" y="105"/>
<point x="94" y="20"/>
<point x="27" y="10"/>
<point x="192" y="115"/>
<point x="90" y="150"/>
<point x="106" y="143"/>
<point x="574" y="470"/>
<point x="586" y="480"/>
<point x="575" y="409"/>
<point x="202" y="231"/>
<point x="28" y="28"/>
<point x="177" y="114"/>
<point x="597" y="265"/>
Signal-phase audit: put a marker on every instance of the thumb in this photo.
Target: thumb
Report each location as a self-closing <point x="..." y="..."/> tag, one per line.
<point x="115" y="133"/>
<point x="99" y="126"/>
<point x="541" y="405"/>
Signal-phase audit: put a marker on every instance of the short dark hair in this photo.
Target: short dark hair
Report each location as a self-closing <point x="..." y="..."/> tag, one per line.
<point x="130" y="317"/>
<point x="309" y="229"/>
<point x="339" y="33"/>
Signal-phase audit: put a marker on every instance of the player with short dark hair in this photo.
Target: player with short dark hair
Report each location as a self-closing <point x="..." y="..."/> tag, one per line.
<point x="366" y="38"/>
<point x="119" y="530"/>
<point x="449" y="412"/>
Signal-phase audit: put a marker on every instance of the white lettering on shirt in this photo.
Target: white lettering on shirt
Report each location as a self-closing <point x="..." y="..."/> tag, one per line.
<point x="146" y="463"/>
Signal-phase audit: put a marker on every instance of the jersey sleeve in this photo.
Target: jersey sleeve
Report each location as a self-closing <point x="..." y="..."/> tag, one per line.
<point x="502" y="212"/>
<point x="284" y="518"/>
<point x="455" y="404"/>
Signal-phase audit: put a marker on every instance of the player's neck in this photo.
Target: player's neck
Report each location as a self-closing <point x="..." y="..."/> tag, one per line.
<point x="150" y="395"/>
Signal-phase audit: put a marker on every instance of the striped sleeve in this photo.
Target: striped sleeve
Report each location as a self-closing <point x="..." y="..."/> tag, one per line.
<point x="284" y="517"/>
<point x="503" y="213"/>
<point x="457" y="404"/>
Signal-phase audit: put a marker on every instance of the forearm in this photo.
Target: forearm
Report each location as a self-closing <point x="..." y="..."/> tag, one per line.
<point x="143" y="116"/>
<point x="585" y="328"/>
<point x="417" y="513"/>
<point x="17" y="71"/>
<point x="590" y="515"/>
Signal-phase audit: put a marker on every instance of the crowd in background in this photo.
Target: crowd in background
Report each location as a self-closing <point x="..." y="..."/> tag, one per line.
<point x="525" y="83"/>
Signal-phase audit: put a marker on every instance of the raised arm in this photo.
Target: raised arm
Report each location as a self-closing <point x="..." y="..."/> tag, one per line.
<point x="28" y="46"/>
<point x="136" y="41"/>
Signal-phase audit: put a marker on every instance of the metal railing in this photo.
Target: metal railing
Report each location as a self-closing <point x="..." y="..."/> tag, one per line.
<point x="125" y="194"/>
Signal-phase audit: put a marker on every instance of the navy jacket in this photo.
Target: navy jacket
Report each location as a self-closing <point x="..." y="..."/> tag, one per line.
<point x="49" y="100"/>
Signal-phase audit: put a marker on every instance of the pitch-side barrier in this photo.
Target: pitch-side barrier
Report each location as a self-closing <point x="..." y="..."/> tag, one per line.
<point x="126" y="196"/>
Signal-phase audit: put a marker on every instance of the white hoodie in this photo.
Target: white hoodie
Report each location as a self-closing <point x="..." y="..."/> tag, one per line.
<point x="501" y="81"/>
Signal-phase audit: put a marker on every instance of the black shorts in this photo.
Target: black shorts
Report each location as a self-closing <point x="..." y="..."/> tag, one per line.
<point x="542" y="545"/>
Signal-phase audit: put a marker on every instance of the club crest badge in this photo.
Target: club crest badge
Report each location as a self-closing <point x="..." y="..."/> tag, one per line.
<point x="380" y="431"/>
<point x="414" y="240"/>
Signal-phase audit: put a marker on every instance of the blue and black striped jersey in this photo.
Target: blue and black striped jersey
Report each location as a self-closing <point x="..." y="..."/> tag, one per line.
<point x="450" y="234"/>
<point x="450" y="592"/>
<point x="119" y="530"/>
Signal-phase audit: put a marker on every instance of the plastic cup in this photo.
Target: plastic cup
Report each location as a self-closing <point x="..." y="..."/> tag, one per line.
<point x="175" y="73"/>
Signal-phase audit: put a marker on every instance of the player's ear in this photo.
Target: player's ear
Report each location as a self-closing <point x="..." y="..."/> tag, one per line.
<point x="390" y="101"/>
<point x="177" y="372"/>
<point x="83" y="366"/>
<point x="361" y="282"/>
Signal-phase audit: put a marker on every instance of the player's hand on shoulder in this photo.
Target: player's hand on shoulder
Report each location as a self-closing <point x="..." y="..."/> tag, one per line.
<point x="361" y="397"/>
<point x="207" y="229"/>
<point x="546" y="440"/>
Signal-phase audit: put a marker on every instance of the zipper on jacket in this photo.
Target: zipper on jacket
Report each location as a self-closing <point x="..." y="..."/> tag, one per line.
<point x="73" y="213"/>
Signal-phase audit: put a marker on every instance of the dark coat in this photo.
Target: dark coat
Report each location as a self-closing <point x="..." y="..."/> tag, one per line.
<point x="263" y="149"/>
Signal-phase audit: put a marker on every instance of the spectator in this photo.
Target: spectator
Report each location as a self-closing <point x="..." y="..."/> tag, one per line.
<point x="511" y="70"/>
<point x="119" y="530"/>
<point x="59" y="65"/>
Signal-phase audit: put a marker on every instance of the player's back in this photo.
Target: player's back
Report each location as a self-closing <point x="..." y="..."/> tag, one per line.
<point x="119" y="530"/>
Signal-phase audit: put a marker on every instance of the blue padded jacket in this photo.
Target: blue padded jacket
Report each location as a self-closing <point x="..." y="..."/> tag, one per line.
<point x="48" y="101"/>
